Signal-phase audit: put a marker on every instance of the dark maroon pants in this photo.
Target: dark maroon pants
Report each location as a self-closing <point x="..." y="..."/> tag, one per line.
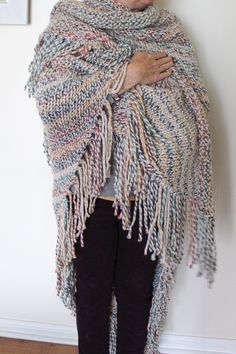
<point x="108" y="258"/>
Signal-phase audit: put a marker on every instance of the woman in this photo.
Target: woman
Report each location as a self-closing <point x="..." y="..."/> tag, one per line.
<point x="124" y="110"/>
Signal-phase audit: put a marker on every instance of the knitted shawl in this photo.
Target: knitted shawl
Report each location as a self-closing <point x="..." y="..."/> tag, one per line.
<point x="159" y="133"/>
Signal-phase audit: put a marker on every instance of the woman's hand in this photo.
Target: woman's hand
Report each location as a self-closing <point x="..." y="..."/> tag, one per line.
<point x="146" y="68"/>
<point x="151" y="67"/>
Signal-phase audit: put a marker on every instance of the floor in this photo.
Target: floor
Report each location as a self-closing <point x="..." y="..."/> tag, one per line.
<point x="23" y="346"/>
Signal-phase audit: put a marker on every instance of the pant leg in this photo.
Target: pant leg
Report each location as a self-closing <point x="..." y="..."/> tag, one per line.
<point x="134" y="274"/>
<point x="95" y="270"/>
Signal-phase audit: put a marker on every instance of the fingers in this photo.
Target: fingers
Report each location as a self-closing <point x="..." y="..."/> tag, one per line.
<point x="158" y="55"/>
<point x="165" y="60"/>
<point x="166" y="66"/>
<point x="157" y="66"/>
<point x="165" y="74"/>
<point x="164" y="63"/>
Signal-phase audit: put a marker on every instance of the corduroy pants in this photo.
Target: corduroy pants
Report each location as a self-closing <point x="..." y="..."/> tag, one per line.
<point x="108" y="258"/>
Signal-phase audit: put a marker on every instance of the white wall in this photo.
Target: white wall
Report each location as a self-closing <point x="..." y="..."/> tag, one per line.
<point x="28" y="227"/>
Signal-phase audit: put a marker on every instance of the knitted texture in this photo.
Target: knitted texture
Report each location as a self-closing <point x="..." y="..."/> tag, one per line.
<point x="159" y="133"/>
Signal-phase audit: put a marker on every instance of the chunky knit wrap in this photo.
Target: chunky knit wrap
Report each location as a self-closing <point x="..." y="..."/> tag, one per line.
<point x="159" y="133"/>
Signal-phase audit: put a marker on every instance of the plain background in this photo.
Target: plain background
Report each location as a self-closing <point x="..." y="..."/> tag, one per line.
<point x="28" y="226"/>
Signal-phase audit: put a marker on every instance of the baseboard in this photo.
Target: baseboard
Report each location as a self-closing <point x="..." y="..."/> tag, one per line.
<point x="169" y="344"/>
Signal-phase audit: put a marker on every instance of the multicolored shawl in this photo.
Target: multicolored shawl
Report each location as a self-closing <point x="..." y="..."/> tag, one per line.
<point x="159" y="133"/>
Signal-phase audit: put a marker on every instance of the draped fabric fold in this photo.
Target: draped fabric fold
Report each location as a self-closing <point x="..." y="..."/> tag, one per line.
<point x="159" y="134"/>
